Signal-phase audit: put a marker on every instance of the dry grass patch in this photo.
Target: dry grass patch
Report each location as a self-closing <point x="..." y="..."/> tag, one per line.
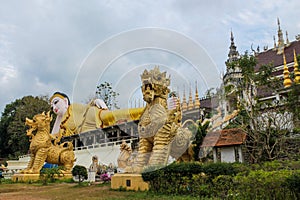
<point x="66" y="191"/>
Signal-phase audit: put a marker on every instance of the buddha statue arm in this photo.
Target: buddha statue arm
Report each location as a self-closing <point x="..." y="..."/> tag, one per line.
<point x="109" y="118"/>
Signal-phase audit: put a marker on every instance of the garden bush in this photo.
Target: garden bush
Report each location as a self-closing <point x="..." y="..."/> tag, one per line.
<point x="50" y="174"/>
<point x="191" y="178"/>
<point x="81" y="172"/>
<point x="293" y="183"/>
<point x="272" y="180"/>
<point x="216" y="169"/>
<point x="262" y="184"/>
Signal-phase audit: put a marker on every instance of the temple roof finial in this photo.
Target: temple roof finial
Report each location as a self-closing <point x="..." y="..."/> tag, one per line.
<point x="233" y="53"/>
<point x="280" y="43"/>
<point x="296" y="69"/>
<point x="287" y="82"/>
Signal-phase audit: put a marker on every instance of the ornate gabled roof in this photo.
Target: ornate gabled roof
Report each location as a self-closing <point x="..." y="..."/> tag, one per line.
<point x="271" y="56"/>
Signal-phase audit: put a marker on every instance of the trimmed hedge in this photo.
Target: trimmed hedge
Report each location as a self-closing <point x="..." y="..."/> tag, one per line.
<point x="263" y="185"/>
<point x="186" y="178"/>
<point x="227" y="181"/>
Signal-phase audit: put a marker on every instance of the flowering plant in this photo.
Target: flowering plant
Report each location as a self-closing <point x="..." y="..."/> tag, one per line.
<point x="105" y="177"/>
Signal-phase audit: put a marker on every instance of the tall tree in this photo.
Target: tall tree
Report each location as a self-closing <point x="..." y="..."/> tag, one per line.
<point x="13" y="139"/>
<point x="107" y="94"/>
<point x="200" y="133"/>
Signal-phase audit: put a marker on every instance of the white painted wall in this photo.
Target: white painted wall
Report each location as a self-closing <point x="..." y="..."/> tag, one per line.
<point x="227" y="154"/>
<point x="106" y="155"/>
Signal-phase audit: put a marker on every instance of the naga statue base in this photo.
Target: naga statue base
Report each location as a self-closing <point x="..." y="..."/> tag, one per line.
<point x="129" y="182"/>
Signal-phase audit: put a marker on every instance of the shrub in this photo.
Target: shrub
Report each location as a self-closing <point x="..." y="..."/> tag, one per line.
<point x="105" y="177"/>
<point x="222" y="185"/>
<point x="49" y="174"/>
<point x="262" y="185"/>
<point x="81" y="172"/>
<point x="216" y="169"/>
<point x="272" y="180"/>
<point x="293" y="183"/>
<point x="186" y="178"/>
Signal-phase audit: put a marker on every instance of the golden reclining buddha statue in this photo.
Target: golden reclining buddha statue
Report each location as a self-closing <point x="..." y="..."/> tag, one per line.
<point x="78" y="118"/>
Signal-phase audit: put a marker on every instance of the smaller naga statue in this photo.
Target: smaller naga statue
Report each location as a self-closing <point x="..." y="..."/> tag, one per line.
<point x="123" y="159"/>
<point x="43" y="150"/>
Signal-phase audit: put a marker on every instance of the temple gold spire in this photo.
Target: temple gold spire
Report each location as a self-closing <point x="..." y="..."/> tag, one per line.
<point x="184" y="104"/>
<point x="287" y="82"/>
<point x="191" y="103"/>
<point x="296" y="70"/>
<point x="197" y="100"/>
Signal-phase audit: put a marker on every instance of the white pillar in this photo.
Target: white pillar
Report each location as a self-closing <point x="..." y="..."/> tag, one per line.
<point x="241" y="158"/>
<point x="91" y="176"/>
<point x="215" y="154"/>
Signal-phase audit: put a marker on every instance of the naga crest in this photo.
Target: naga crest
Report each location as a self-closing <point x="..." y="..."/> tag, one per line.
<point x="155" y="84"/>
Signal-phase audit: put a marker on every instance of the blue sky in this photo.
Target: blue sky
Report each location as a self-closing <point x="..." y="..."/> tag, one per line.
<point x="71" y="45"/>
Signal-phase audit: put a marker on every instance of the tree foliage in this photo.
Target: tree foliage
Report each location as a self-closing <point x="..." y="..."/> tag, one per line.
<point x="13" y="139"/>
<point x="200" y="131"/>
<point x="107" y="94"/>
<point x="80" y="171"/>
<point x="293" y="100"/>
<point x="50" y="174"/>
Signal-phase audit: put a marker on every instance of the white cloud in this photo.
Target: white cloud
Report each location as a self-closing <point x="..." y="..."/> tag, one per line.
<point x="8" y="74"/>
<point x="43" y="43"/>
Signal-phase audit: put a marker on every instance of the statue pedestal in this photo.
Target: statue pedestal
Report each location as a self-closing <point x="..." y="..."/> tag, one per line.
<point x="129" y="182"/>
<point x="35" y="177"/>
<point x="25" y="177"/>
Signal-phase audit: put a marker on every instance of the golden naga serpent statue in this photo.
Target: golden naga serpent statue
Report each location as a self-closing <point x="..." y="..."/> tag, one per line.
<point x="160" y="130"/>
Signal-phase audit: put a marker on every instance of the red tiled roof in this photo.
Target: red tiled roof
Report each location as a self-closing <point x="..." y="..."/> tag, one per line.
<point x="226" y="137"/>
